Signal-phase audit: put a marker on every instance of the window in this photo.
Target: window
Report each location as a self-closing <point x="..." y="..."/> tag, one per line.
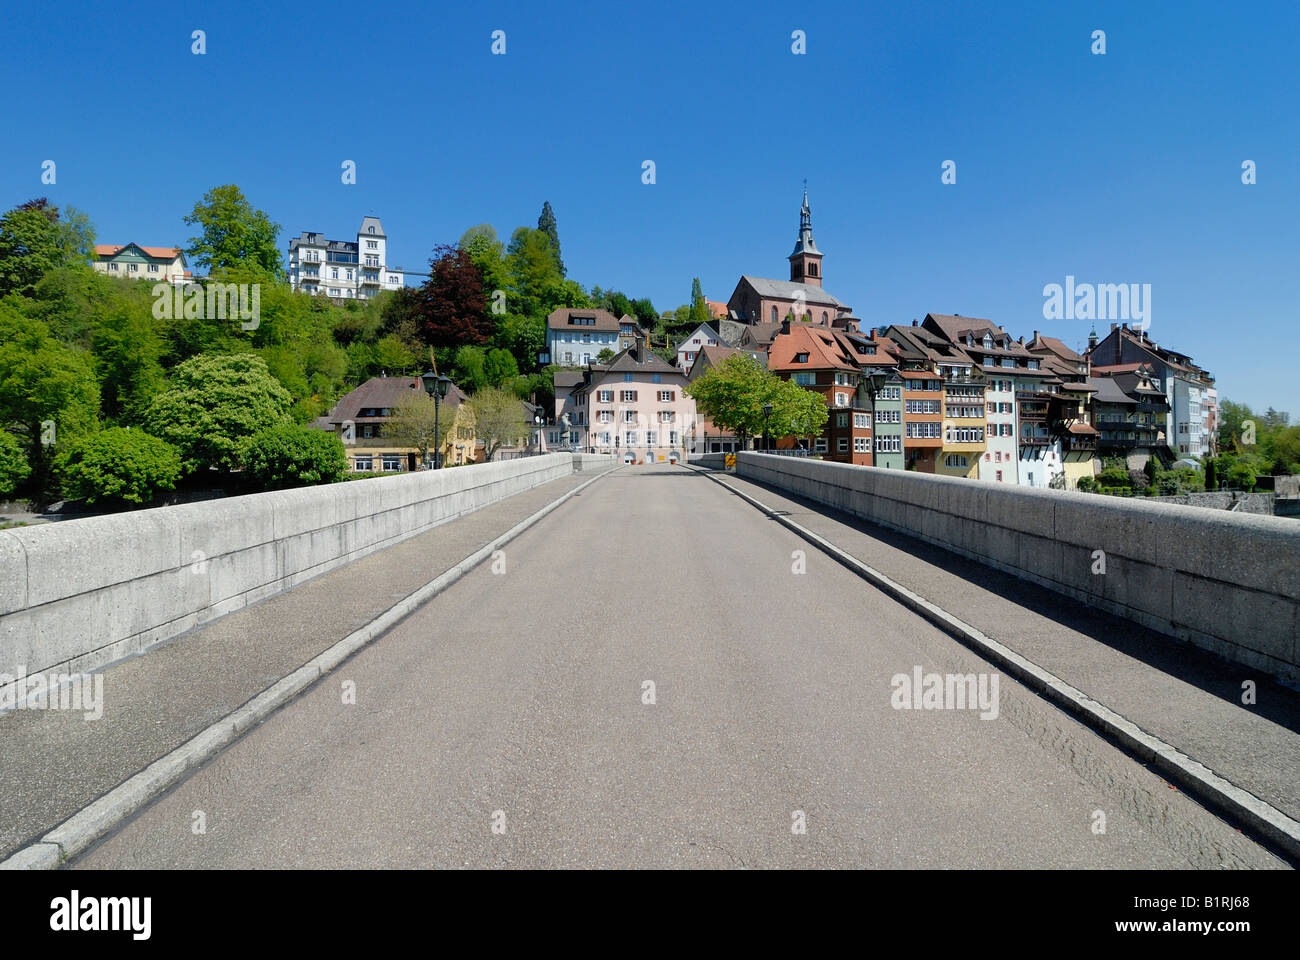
<point x="666" y="416"/>
<point x="628" y="396"/>
<point x="819" y="445"/>
<point x="391" y="462"/>
<point x="629" y="416"/>
<point x="335" y="272"/>
<point x="112" y="266"/>
<point x="153" y="268"/>
<point x="605" y="416"/>
<point x="803" y="379"/>
<point x="889" y="444"/>
<point x="957" y="460"/>
<point x="801" y="358"/>
<point x="842" y="446"/>
<point x="823" y="312"/>
<point x="652" y="438"/>
<point x="656" y="378"/>
<point x="605" y="396"/>
<point x="774" y="314"/>
<point x="630" y="438"/>
<point x="841" y="399"/>
<point x="363" y="464"/>
<point x="859" y="444"/>
<point x="133" y="267"/>
<point x="666" y="396"/>
<point x="999" y="476"/>
<point x="672" y="438"/>
<point x="859" y="420"/>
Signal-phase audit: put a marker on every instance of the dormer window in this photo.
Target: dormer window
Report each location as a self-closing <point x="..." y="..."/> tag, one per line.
<point x="988" y="342"/>
<point x="801" y="358"/>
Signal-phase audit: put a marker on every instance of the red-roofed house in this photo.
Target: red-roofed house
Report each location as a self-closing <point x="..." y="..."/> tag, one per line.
<point x="141" y="263"/>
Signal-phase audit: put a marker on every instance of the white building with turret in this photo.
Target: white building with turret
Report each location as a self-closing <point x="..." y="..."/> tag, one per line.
<point x="344" y="269"/>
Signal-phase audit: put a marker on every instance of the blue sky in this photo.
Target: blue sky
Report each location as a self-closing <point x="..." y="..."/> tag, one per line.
<point x="1120" y="168"/>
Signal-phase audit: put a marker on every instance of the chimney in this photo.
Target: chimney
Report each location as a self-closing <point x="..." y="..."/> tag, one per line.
<point x="1035" y="340"/>
<point x="1114" y="326"/>
<point x="1022" y="341"/>
<point x="785" y="325"/>
<point x="914" y="321"/>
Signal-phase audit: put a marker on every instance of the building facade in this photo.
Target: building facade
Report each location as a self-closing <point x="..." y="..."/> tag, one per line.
<point x="575" y="337"/>
<point x="364" y="415"/>
<point x="636" y="405"/>
<point x="135" y="262"/>
<point x="344" y="269"/>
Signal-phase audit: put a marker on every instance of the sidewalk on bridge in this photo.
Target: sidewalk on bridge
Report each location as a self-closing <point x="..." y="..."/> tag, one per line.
<point x="53" y="763"/>
<point x="1188" y="698"/>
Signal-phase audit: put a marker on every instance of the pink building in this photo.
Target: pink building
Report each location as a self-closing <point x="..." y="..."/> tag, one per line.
<point x="636" y="404"/>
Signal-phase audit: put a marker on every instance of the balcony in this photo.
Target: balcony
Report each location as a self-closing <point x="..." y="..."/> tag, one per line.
<point x="1078" y="444"/>
<point x="1035" y="440"/>
<point x="370" y="281"/>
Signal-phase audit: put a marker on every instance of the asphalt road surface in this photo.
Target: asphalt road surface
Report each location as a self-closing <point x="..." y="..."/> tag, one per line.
<point x="506" y="724"/>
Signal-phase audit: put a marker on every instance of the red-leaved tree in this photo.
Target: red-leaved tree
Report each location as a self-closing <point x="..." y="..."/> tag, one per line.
<point x="452" y="306"/>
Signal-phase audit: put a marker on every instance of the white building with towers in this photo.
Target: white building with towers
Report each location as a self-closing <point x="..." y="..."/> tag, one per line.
<point x="344" y="269"/>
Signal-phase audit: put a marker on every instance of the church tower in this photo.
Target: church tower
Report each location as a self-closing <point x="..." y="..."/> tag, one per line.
<point x="806" y="261"/>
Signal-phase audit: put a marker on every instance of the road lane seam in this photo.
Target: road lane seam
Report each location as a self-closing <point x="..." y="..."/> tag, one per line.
<point x="95" y="820"/>
<point x="1191" y="775"/>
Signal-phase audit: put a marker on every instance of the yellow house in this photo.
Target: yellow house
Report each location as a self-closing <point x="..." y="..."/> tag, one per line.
<point x="362" y="417"/>
<point x="963" y="422"/>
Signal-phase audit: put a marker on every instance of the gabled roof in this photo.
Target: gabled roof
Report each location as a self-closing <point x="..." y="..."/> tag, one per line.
<point x="1055" y="346"/>
<point x="559" y="319"/>
<point x="157" y="253"/>
<point x="713" y="356"/>
<point x="1108" y="391"/>
<point x="822" y="345"/>
<point x="627" y="361"/>
<point x="381" y="392"/>
<point x="760" y="333"/>
<point x="788" y="290"/>
<point x="716" y="310"/>
<point x="708" y="332"/>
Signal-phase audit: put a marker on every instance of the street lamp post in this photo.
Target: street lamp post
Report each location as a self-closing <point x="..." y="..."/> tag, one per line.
<point x="875" y="380"/>
<point x="436" y="386"/>
<point x="767" y="412"/>
<point x="539" y="421"/>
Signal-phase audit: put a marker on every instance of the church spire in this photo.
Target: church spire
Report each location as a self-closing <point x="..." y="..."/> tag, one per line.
<point x="805" y="262"/>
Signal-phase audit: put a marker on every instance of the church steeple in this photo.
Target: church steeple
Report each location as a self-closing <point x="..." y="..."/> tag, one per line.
<point x="805" y="262"/>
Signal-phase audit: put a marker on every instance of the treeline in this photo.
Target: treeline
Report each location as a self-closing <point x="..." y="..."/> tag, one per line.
<point x="83" y="353"/>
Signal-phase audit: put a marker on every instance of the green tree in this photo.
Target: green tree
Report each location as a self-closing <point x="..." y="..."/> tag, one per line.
<point x="499" y="419"/>
<point x="699" y="311"/>
<point x="14" y="468"/>
<point x="546" y="224"/>
<point x="290" y="455"/>
<point x="734" y="393"/>
<point x="35" y="239"/>
<point x="233" y="233"/>
<point x="213" y="405"/>
<point x="414" y="420"/>
<point x="469" y="368"/>
<point x="500" y="368"/>
<point x="128" y="353"/>
<point x="119" y="465"/>
<point x="1241" y="476"/>
<point x="48" y="393"/>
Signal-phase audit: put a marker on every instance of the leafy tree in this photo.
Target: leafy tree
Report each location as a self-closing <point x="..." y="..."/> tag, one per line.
<point x="233" y="233"/>
<point x="213" y="405"/>
<point x="35" y="239"/>
<point x="43" y="381"/>
<point x="488" y="254"/>
<point x="128" y="352"/>
<point x="414" y="420"/>
<point x="290" y="455"/>
<point x="546" y="224"/>
<point x="605" y="355"/>
<point x="533" y="272"/>
<point x="452" y="307"/>
<point x="645" y="312"/>
<point x="499" y="419"/>
<point x="1241" y="476"/>
<point x="500" y="368"/>
<point x="469" y="369"/>
<point x="14" y="468"/>
<point x="394" y="356"/>
<point x="119" y="464"/>
<point x="699" y="310"/>
<point x="733" y="393"/>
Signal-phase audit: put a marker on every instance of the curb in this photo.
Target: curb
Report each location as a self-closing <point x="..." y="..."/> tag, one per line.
<point x="93" y="821"/>
<point x="1189" y="774"/>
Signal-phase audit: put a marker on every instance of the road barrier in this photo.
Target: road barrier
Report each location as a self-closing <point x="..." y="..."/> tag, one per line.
<point x="1224" y="581"/>
<point x="78" y="594"/>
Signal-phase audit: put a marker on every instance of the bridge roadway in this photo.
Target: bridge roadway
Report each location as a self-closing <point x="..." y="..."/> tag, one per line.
<point x="515" y="700"/>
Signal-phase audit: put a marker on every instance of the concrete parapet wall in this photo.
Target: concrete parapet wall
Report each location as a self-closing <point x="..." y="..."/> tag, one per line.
<point x="1225" y="581"/>
<point x="78" y="594"/>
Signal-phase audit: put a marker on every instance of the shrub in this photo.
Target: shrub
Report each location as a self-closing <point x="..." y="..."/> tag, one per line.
<point x="120" y="464"/>
<point x="1087" y="484"/>
<point x="1115" y="476"/>
<point x="1241" y="475"/>
<point x="14" y="468"/>
<point x="288" y="455"/>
